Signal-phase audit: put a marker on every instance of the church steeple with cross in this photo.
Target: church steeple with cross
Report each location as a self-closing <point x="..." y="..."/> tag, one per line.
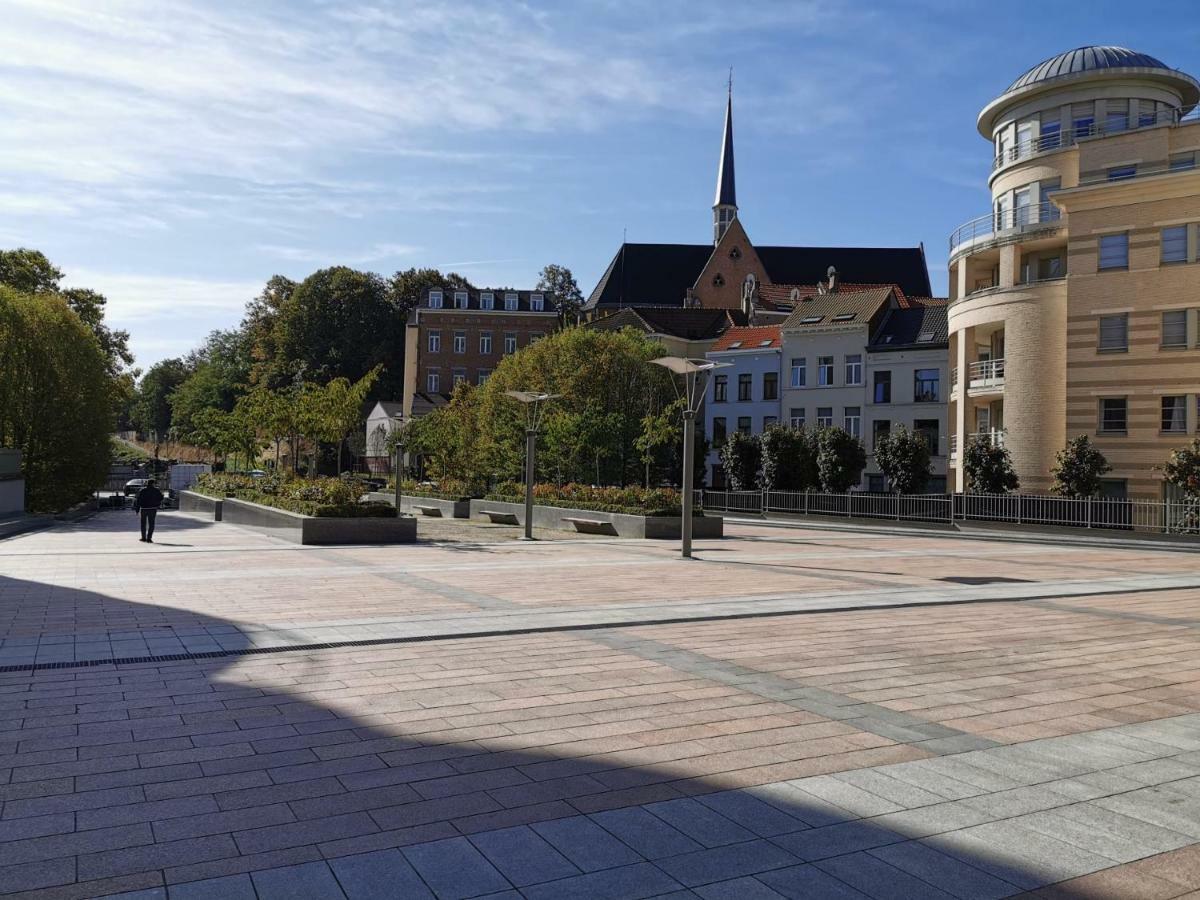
<point x="725" y="204"/>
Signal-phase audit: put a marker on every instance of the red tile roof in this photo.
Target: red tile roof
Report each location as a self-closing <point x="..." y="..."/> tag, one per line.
<point x="750" y="338"/>
<point x="780" y="295"/>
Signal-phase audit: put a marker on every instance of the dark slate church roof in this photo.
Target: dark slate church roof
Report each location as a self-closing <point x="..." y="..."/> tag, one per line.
<point x="662" y="274"/>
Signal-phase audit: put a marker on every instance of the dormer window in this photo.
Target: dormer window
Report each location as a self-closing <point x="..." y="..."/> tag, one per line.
<point x="487" y="300"/>
<point x="460" y="299"/>
<point x="510" y="302"/>
<point x="537" y="302"/>
<point x="844" y="317"/>
<point x="811" y="320"/>
<point x="925" y="337"/>
<point x="435" y="299"/>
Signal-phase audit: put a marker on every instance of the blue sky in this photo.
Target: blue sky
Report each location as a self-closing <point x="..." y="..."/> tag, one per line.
<point x="176" y="154"/>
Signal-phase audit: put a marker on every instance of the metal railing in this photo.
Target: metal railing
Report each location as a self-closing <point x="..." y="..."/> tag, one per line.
<point x="1068" y="137"/>
<point x="1006" y="222"/>
<point x="1145" y="516"/>
<point x="985" y="373"/>
<point x="995" y="437"/>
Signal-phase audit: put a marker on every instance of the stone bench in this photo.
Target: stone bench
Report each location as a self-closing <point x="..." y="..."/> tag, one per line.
<point x="434" y="511"/>
<point x="500" y="516"/>
<point x="591" y="526"/>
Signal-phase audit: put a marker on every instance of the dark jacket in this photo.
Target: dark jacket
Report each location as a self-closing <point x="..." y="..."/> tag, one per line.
<point x="148" y="498"/>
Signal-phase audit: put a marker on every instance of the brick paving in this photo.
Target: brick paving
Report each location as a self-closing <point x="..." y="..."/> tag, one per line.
<point x="1043" y="738"/>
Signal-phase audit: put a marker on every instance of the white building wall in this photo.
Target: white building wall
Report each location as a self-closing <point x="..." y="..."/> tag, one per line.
<point x="903" y="408"/>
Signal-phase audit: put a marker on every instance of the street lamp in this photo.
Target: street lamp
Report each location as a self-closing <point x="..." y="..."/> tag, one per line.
<point x="397" y="423"/>
<point x="533" y="409"/>
<point x="694" y="386"/>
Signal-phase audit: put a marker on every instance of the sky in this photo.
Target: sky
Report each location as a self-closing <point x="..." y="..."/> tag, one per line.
<point x="174" y="155"/>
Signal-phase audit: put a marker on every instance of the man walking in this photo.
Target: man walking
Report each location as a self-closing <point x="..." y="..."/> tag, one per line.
<point x="147" y="502"/>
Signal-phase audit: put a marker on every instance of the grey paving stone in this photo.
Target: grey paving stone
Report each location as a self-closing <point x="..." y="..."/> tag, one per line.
<point x="1157" y="771"/>
<point x="454" y="869"/>
<point x="751" y="813"/>
<point x="1043" y="859"/>
<point x="929" y="779"/>
<point x="33" y="875"/>
<point x="72" y="844"/>
<point x="808" y="883"/>
<point x="523" y="856"/>
<point x="154" y="856"/>
<point x="310" y="831"/>
<point x="836" y="840"/>
<point x="150" y="811"/>
<point x="147" y="894"/>
<point x="738" y="889"/>
<point x="231" y="887"/>
<point x="845" y="795"/>
<point x="945" y="872"/>
<point x="876" y="878"/>
<point x="382" y="875"/>
<point x="927" y="820"/>
<point x="1092" y="785"/>
<point x="307" y="881"/>
<point x="807" y="807"/>
<point x="720" y="863"/>
<point x="648" y="835"/>
<point x="960" y="769"/>
<point x="1018" y="801"/>
<point x="586" y="844"/>
<point x="903" y="794"/>
<point x="1102" y="831"/>
<point x="634" y="882"/>
<point x="1158" y="806"/>
<point x="699" y="822"/>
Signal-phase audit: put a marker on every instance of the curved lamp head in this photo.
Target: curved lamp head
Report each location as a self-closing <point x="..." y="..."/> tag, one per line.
<point x="530" y="396"/>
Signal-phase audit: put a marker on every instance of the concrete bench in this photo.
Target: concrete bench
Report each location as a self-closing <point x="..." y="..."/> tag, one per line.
<point x="500" y="517"/>
<point x="428" y="510"/>
<point x="591" y="526"/>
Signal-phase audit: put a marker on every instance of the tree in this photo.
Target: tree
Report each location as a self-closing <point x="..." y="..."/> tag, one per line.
<point x="1078" y="468"/>
<point x="741" y="457"/>
<point x="57" y="403"/>
<point x="840" y="460"/>
<point x="151" y="412"/>
<point x="989" y="468"/>
<point x="660" y="431"/>
<point x="337" y="410"/>
<point x="29" y="271"/>
<point x="1182" y="469"/>
<point x="903" y="457"/>
<point x="220" y="373"/>
<point x="568" y="299"/>
<point x="789" y="459"/>
<point x="407" y="286"/>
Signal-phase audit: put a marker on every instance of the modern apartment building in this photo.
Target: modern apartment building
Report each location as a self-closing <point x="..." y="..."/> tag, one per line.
<point x="744" y="395"/>
<point x="461" y="335"/>
<point x="1074" y="298"/>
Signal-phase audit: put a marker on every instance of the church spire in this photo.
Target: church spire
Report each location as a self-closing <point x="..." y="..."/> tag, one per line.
<point x="725" y="204"/>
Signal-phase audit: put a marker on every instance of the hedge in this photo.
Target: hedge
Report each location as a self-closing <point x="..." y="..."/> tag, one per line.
<point x="633" y="501"/>
<point x="326" y="498"/>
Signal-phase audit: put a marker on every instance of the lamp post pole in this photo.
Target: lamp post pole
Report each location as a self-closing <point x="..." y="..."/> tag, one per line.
<point x="399" y="468"/>
<point x="689" y="440"/>
<point x="530" y="450"/>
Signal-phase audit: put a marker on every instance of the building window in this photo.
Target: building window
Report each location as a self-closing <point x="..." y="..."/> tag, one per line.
<point x="435" y="342"/>
<point x="1114" y="251"/>
<point x="796" y="417"/>
<point x="883" y="387"/>
<point x="435" y="299"/>
<point x="825" y="371"/>
<point x="460" y="342"/>
<point x="1116" y="121"/>
<point x="799" y="372"/>
<point x="487" y="300"/>
<point x="744" y="425"/>
<point x="1174" y="414"/>
<point x="485" y="342"/>
<point x="458" y="376"/>
<point x="433" y="381"/>
<point x="879" y="429"/>
<point x="852" y="421"/>
<point x="1174" y="328"/>
<point x="876" y="484"/>
<point x="770" y="385"/>
<point x="720" y="388"/>
<point x="745" y="386"/>
<point x="1050" y="267"/>
<point x="1082" y="122"/>
<point x="510" y="342"/>
<point x="537" y="302"/>
<point x="824" y="416"/>
<point x="536" y="336"/>
<point x="854" y="369"/>
<point x="768" y="421"/>
<point x="926" y="386"/>
<point x="460" y="299"/>
<point x="1114" y="332"/>
<point x="1181" y="161"/>
<point x="484" y="374"/>
<point x="1174" y="244"/>
<point x="1113" y="415"/>
<point x="718" y="432"/>
<point x="510" y="302"/>
<point x="928" y="429"/>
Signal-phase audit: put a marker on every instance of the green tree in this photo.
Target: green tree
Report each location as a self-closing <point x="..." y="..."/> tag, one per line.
<point x="220" y="374"/>
<point x="903" y="457"/>
<point x="989" y="468"/>
<point x="741" y="457"/>
<point x="789" y="459"/>
<point x="1078" y="468"/>
<point x="57" y="403"/>
<point x="151" y="411"/>
<point x="337" y="409"/>
<point x="840" y="460"/>
<point x="661" y="431"/>
<point x="568" y="299"/>
<point x="1182" y="469"/>
<point x="29" y="271"/>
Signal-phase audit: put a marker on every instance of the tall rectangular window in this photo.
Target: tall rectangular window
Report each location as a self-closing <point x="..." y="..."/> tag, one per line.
<point x="745" y="425"/>
<point x="1024" y="139"/>
<point x="458" y="376"/>
<point x="536" y="336"/>
<point x="1174" y="244"/>
<point x="825" y="371"/>
<point x="487" y="300"/>
<point x="883" y="387"/>
<point x="433" y="381"/>
<point x="1114" y="251"/>
<point x="1116" y="120"/>
<point x="537" y="302"/>
<point x="745" y="386"/>
<point x="435" y="299"/>
<point x="484" y="374"/>
<point x="485" y="342"/>
<point x="1114" y="332"/>
<point x="1051" y="134"/>
<point x="460" y="299"/>
<point x="510" y="342"/>
<point x="720" y="388"/>
<point x="1047" y="211"/>
<point x="460" y="342"/>
<point x="852" y="419"/>
<point x="1022" y="206"/>
<point x="768" y="421"/>
<point x="770" y="385"/>
<point x="796" y="417"/>
<point x="879" y="428"/>
<point x="928" y="429"/>
<point x="718" y="435"/>
<point x="799" y="371"/>
<point x="824" y="416"/>
<point x="510" y="302"/>
<point x="1113" y="416"/>
<point x="926" y="386"/>
<point x="854" y="369"/>
<point x="1174" y="328"/>
<point x="1178" y="162"/>
<point x="1174" y="414"/>
<point x="435" y="342"/>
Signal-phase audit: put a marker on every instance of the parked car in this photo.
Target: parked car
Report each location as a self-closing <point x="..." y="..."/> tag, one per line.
<point x="133" y="485"/>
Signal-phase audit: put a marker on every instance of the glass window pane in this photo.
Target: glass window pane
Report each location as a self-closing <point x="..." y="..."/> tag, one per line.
<point x="1174" y="244"/>
<point x="1174" y="328"/>
<point x="1174" y="413"/>
<point x="1114" y="251"/>
<point x="1114" y="332"/>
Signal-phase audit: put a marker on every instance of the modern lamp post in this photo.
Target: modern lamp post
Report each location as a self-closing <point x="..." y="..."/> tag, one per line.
<point x="397" y="424"/>
<point x="695" y="382"/>
<point x="533" y="411"/>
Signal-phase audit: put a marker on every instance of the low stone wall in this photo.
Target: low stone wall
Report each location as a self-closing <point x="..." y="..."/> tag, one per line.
<point x="449" y="509"/>
<point x="316" y="529"/>
<point x="618" y="524"/>
<point x="201" y="504"/>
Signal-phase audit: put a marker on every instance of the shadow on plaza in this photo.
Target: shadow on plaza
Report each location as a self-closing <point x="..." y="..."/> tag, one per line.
<point x="379" y="787"/>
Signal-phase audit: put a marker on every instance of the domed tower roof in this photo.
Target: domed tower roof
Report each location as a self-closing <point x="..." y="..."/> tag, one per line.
<point x="1084" y="63"/>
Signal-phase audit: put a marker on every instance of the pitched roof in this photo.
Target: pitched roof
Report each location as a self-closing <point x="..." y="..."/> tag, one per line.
<point x="762" y="337"/>
<point x="388" y="407"/>
<point x="689" y="323"/>
<point x="780" y="295"/>
<point x="903" y="329"/>
<point x="828" y="309"/>
<point x="662" y="274"/>
<point x="726" y="190"/>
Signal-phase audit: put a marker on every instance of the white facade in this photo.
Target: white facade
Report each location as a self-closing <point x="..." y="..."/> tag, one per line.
<point x="911" y="403"/>
<point x="827" y="361"/>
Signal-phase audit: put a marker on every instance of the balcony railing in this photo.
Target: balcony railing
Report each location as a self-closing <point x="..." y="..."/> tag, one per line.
<point x="987" y="373"/>
<point x="1068" y="137"/>
<point x="1005" y="223"/>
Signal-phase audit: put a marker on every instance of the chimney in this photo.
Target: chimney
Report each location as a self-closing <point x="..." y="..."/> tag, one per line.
<point x="833" y="279"/>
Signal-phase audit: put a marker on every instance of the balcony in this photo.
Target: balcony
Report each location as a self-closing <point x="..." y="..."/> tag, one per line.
<point x="1061" y="140"/>
<point x="994" y="437"/>
<point x="985" y="377"/>
<point x="1005" y="225"/>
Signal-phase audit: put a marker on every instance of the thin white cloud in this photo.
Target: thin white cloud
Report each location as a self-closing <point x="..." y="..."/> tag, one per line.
<point x="131" y="296"/>
<point x="375" y="253"/>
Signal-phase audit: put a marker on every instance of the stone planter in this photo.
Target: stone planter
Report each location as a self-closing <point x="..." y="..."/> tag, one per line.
<point x="317" y="529"/>
<point x="201" y="504"/>
<point x="425" y="506"/>
<point x="592" y="522"/>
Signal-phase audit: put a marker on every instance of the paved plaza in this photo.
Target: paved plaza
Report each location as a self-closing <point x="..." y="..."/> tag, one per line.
<point x="799" y="712"/>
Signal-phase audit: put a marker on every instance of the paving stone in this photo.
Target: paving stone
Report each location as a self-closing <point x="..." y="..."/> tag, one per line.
<point x="702" y="824"/>
<point x="738" y="889"/>
<point x="222" y="822"/>
<point x="586" y="844"/>
<point x="635" y="882"/>
<point x="719" y="863"/>
<point x="33" y="875"/>
<point x="648" y="835"/>
<point x="1044" y="860"/>
<point x="522" y="856"/>
<point x="751" y="813"/>
<point x="807" y="882"/>
<point x="836" y="840"/>
<point x="231" y="887"/>
<point x="454" y="869"/>
<point x="381" y="875"/>
<point x="154" y="856"/>
<point x="846" y="796"/>
<point x="876" y="878"/>
<point x="150" y="811"/>
<point x="1158" y="806"/>
<point x="157" y="893"/>
<point x="309" y="831"/>
<point x="945" y="872"/>
<point x="308" y="881"/>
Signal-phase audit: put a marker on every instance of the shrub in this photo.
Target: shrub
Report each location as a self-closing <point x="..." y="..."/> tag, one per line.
<point x="840" y="460"/>
<point x="444" y="489"/>
<point x="1077" y="469"/>
<point x="323" y="497"/>
<point x="636" y="501"/>
<point x="740" y="456"/>
<point x="789" y="459"/>
<point x="903" y="456"/>
<point x="1183" y="469"/>
<point x="989" y="468"/>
